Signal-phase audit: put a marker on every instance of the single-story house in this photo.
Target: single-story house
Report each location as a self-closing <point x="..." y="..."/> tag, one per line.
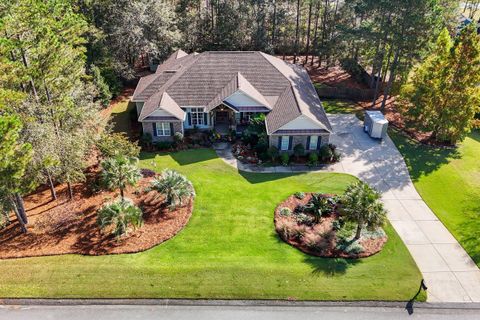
<point x="222" y="90"/>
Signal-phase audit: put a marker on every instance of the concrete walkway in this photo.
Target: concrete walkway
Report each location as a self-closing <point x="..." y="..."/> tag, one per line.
<point x="449" y="272"/>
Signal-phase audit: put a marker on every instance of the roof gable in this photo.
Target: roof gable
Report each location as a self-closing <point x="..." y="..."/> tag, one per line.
<point x="164" y="102"/>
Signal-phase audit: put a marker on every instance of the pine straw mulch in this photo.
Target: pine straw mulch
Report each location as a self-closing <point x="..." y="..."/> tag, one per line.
<point x="63" y="226"/>
<point x="322" y="233"/>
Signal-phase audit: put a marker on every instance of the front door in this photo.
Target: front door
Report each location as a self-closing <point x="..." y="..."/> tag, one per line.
<point x="221" y="117"/>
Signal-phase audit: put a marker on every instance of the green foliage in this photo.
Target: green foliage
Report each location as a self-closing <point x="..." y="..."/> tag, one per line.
<point x="112" y="144"/>
<point x="256" y="132"/>
<point x="305" y="219"/>
<point x="298" y="150"/>
<point x="104" y="94"/>
<point x="299" y="195"/>
<point x="350" y="247"/>
<point x="313" y="159"/>
<point x="273" y="153"/>
<point x="443" y="95"/>
<point x="146" y="140"/>
<point x="361" y="204"/>
<point x="326" y="153"/>
<point x="318" y="206"/>
<point x="354" y="69"/>
<point x="178" y="138"/>
<point x="284" y="159"/>
<point x="164" y="145"/>
<point x="175" y="188"/>
<point x="286" y="212"/>
<point x="120" y="172"/>
<point x="120" y="215"/>
<point x="15" y="157"/>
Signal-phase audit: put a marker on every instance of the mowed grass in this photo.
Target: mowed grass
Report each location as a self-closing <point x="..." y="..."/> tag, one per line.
<point x="229" y="249"/>
<point x="342" y="106"/>
<point x="449" y="182"/>
<point x="121" y="115"/>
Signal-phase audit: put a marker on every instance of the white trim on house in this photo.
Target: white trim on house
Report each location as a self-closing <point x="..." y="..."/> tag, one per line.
<point x="302" y="122"/>
<point x="285" y="143"/>
<point x="188" y="111"/>
<point x="241" y="99"/>
<point x="313" y="143"/>
<point x="163" y="129"/>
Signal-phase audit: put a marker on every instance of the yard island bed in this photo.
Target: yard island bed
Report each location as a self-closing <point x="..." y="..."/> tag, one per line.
<point x="63" y="227"/>
<point x="228" y="249"/>
<point x="325" y="236"/>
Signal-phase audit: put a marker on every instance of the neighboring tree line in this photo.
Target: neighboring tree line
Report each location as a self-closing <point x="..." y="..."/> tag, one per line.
<point x="387" y="37"/>
<point x="443" y="95"/>
<point x="49" y="101"/>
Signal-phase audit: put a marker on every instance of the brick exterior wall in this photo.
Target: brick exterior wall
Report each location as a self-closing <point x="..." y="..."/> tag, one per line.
<point x="148" y="128"/>
<point x="273" y="140"/>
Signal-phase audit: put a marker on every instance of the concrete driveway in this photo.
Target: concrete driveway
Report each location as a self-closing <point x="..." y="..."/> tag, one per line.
<point x="449" y="272"/>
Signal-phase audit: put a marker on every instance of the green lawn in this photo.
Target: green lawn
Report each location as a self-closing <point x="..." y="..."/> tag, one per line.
<point x="343" y="106"/>
<point x="449" y="182"/>
<point x="229" y="249"/>
<point x="121" y="116"/>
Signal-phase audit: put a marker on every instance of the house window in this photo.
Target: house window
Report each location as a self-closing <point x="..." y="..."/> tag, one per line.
<point x="313" y="143"/>
<point x="285" y="143"/>
<point x="247" y="116"/>
<point x="163" y="129"/>
<point x="197" y="116"/>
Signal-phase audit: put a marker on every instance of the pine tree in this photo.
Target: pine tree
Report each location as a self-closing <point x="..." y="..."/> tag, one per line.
<point x="443" y="95"/>
<point x="14" y="159"/>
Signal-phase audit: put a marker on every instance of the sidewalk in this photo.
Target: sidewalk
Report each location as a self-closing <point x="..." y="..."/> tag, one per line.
<point x="449" y="272"/>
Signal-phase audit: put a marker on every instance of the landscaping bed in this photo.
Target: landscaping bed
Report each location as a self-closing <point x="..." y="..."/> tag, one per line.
<point x="330" y="236"/>
<point x="62" y="226"/>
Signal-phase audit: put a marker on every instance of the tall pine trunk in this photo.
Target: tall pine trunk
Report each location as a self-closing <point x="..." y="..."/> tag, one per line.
<point x="315" y="33"/>
<point x="324" y="30"/>
<point x="307" y="49"/>
<point x="70" y="190"/>
<point x="51" y="185"/>
<point x="390" y="79"/>
<point x="22" y="214"/>
<point x="297" y="27"/>
<point x="274" y="25"/>
<point x="21" y="222"/>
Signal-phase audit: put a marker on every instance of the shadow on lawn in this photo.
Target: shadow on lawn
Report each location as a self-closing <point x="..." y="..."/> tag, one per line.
<point x="183" y="158"/>
<point x="330" y="266"/>
<point x="259" y="177"/>
<point x="422" y="159"/>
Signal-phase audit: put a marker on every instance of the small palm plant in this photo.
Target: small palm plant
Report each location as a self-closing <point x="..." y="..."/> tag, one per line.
<point x="176" y="188"/>
<point x="361" y="204"/>
<point x="318" y="206"/>
<point x="120" y="214"/>
<point x="120" y="172"/>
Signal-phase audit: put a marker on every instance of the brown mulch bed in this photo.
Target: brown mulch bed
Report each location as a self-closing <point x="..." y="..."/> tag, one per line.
<point x="63" y="226"/>
<point x="323" y="233"/>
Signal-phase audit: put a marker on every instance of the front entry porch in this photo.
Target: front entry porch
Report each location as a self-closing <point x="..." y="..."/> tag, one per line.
<point x="223" y="120"/>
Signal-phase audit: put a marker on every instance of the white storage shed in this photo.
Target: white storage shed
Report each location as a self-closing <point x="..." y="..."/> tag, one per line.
<point x="375" y="124"/>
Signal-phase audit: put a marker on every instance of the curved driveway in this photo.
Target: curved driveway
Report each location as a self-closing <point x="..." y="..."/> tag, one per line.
<point x="449" y="272"/>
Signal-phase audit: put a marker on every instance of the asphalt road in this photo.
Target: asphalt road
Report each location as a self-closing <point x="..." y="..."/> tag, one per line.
<point x="157" y="312"/>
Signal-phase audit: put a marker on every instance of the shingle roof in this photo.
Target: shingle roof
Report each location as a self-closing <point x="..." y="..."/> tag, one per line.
<point x="206" y="79"/>
<point x="164" y="101"/>
<point x="238" y="82"/>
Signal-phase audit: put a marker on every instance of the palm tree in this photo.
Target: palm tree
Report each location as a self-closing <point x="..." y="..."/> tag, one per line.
<point x="176" y="188"/>
<point x="361" y="204"/>
<point x="120" y="213"/>
<point x="120" y="172"/>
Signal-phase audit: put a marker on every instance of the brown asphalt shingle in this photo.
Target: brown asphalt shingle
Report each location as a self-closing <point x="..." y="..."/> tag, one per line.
<point x="206" y="79"/>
